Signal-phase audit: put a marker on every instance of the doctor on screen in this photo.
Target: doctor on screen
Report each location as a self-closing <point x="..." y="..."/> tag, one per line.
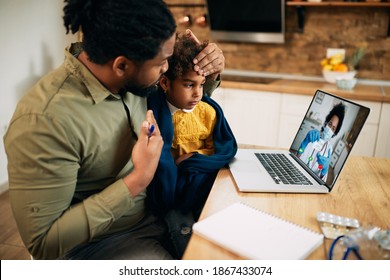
<point x="316" y="149"/>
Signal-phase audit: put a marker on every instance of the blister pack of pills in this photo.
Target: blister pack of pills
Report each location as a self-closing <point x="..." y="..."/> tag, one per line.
<point x="333" y="226"/>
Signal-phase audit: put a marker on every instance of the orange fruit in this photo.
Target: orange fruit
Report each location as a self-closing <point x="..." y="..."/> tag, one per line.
<point x="342" y="67"/>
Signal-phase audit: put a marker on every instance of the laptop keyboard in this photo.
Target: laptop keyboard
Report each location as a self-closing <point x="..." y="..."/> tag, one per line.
<point x="281" y="169"/>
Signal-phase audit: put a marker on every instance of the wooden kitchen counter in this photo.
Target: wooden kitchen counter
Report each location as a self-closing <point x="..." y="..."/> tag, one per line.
<point x="360" y="92"/>
<point x="386" y="93"/>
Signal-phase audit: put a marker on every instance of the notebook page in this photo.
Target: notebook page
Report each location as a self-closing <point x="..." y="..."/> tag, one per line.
<point x="254" y="234"/>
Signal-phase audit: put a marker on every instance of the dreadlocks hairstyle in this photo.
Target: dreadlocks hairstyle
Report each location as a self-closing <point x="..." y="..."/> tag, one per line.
<point x="135" y="29"/>
<point x="339" y="111"/>
<point x="182" y="59"/>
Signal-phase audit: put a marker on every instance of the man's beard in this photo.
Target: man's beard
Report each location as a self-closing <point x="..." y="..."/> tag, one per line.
<point x="140" y="91"/>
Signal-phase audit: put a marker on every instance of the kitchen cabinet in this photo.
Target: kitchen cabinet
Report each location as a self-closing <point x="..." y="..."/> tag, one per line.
<point x="252" y="116"/>
<point x="271" y="119"/>
<point x="382" y="148"/>
<point x="292" y="111"/>
<point x="255" y="117"/>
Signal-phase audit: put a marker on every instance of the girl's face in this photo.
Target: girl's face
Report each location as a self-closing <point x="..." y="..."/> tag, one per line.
<point x="185" y="92"/>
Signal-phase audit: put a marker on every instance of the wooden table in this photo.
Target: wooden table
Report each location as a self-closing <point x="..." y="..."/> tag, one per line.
<point x="362" y="192"/>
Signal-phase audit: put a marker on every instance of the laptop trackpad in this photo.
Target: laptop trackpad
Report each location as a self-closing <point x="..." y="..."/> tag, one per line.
<point x="246" y="166"/>
<point x="248" y="174"/>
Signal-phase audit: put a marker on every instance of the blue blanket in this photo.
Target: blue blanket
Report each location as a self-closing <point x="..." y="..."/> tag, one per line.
<point x="187" y="185"/>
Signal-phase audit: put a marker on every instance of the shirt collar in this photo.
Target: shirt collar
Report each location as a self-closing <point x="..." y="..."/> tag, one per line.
<point x="173" y="109"/>
<point x="96" y="89"/>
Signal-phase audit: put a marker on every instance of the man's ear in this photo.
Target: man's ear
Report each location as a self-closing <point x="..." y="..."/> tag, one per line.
<point x="122" y="65"/>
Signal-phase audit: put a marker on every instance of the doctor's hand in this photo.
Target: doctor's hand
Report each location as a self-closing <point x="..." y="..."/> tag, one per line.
<point x="210" y="61"/>
<point x="311" y="136"/>
<point x="324" y="161"/>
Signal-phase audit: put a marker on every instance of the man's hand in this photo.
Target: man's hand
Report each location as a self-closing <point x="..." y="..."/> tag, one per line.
<point x="210" y="61"/>
<point x="145" y="156"/>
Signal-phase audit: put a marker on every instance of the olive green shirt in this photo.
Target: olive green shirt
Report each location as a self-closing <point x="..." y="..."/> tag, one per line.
<point x="69" y="145"/>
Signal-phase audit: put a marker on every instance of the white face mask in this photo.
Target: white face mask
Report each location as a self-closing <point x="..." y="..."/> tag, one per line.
<point x="327" y="133"/>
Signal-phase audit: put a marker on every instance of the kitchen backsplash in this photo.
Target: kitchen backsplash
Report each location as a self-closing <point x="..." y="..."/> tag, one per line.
<point x="324" y="27"/>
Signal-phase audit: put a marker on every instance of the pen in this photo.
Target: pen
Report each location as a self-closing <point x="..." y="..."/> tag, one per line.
<point x="151" y="129"/>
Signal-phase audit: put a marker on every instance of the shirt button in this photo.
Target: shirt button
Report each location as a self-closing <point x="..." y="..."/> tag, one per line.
<point x="35" y="209"/>
<point x="185" y="230"/>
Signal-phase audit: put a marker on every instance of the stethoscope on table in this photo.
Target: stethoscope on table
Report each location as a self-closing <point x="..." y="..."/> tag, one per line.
<point x="350" y="249"/>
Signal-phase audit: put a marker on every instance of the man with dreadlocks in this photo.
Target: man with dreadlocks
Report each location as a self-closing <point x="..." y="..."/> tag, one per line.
<point x="80" y="145"/>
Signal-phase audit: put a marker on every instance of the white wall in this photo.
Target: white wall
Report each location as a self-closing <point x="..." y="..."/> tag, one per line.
<point x="33" y="40"/>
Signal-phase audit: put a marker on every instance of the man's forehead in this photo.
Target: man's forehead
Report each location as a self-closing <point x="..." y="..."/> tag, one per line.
<point x="167" y="47"/>
<point x="164" y="52"/>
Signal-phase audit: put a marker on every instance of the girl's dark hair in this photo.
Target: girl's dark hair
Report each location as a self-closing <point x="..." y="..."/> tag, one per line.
<point x="182" y="59"/>
<point x="339" y="111"/>
<point x="135" y="29"/>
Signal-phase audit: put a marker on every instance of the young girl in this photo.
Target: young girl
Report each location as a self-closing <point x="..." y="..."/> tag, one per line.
<point x="197" y="143"/>
<point x="193" y="119"/>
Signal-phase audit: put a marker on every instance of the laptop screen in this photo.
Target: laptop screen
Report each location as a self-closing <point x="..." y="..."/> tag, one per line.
<point x="327" y="134"/>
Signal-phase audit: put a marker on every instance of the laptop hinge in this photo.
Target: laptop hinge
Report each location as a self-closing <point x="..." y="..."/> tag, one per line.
<point x="308" y="170"/>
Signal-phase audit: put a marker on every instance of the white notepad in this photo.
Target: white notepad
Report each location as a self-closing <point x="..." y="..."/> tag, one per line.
<point x="254" y="234"/>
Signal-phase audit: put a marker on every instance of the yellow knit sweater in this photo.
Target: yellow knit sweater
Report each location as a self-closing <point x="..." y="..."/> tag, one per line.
<point x="193" y="131"/>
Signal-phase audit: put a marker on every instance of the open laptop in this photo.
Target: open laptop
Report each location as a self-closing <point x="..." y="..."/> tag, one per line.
<point x="316" y="156"/>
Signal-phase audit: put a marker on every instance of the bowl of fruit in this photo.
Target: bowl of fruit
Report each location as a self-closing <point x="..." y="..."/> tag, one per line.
<point x="332" y="75"/>
<point x="346" y="84"/>
<point x="337" y="67"/>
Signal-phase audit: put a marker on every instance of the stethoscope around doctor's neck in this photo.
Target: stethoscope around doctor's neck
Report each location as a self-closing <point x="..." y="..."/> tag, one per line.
<point x="324" y="147"/>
